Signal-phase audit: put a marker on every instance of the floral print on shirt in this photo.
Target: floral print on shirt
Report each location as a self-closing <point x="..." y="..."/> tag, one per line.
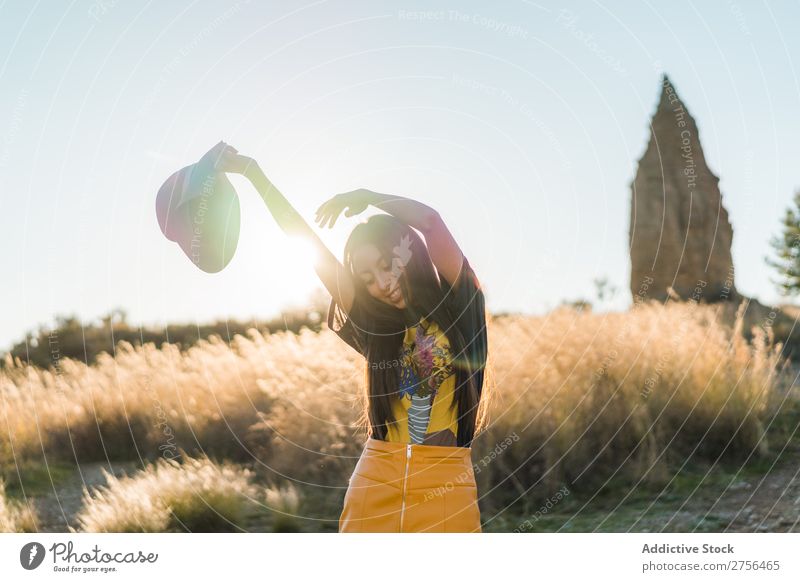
<point x="426" y="363"/>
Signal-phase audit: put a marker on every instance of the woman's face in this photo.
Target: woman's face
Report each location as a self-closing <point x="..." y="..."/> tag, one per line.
<point x="376" y="273"/>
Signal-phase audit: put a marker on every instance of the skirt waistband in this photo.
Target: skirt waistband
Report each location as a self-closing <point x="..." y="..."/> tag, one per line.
<point x="419" y="451"/>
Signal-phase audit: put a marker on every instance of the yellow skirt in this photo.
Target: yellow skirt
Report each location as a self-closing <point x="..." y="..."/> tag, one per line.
<point x="399" y="487"/>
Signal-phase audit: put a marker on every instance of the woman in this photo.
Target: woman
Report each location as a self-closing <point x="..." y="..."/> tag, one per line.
<point x="415" y="310"/>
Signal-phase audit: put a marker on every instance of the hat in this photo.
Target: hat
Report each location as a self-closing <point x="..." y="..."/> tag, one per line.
<point x="197" y="207"/>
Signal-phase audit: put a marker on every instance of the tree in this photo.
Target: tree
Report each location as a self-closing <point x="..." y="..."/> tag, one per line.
<point x="578" y="304"/>
<point x="116" y="317"/>
<point x="787" y="249"/>
<point x="604" y="289"/>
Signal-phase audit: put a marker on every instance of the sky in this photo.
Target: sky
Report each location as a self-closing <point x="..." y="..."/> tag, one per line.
<point x="520" y="122"/>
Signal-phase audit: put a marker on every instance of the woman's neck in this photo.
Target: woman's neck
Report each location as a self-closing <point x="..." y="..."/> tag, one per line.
<point x="411" y="316"/>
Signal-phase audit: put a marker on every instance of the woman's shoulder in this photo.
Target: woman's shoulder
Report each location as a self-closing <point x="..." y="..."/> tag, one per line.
<point x="348" y="325"/>
<point x="466" y="275"/>
<point x="465" y="299"/>
<point x="467" y="305"/>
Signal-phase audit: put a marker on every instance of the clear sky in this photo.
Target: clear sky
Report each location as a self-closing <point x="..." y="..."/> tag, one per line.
<point x="520" y="122"/>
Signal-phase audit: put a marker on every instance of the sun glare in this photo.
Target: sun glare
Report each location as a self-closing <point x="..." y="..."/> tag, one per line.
<point x="299" y="257"/>
<point x="301" y="250"/>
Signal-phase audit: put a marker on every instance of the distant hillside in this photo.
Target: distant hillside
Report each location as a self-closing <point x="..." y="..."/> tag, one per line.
<point x="84" y="341"/>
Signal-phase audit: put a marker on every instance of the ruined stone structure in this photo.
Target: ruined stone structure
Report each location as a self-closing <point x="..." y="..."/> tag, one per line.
<point x="679" y="232"/>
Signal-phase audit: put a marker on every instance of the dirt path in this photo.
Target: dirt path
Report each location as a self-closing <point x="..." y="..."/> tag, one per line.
<point x="59" y="507"/>
<point x="766" y="503"/>
<point x="753" y="503"/>
<point x="769" y="503"/>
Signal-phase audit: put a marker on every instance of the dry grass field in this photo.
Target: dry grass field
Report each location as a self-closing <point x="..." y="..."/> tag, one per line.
<point x="267" y="424"/>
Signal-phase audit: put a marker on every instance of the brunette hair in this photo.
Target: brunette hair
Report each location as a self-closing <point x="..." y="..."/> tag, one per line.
<point x="383" y="327"/>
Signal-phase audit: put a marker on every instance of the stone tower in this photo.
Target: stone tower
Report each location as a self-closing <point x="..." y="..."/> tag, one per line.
<point x="679" y="232"/>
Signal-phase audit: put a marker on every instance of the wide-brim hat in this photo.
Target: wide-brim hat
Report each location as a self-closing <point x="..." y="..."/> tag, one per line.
<point x="198" y="208"/>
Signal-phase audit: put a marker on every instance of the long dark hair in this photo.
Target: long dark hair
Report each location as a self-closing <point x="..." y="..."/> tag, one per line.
<point x="383" y="326"/>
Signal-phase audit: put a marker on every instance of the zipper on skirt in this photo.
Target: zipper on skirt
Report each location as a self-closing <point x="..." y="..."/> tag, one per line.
<point x="405" y="478"/>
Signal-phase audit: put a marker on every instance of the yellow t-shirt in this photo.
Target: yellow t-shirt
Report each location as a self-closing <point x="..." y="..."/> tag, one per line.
<point x="426" y="369"/>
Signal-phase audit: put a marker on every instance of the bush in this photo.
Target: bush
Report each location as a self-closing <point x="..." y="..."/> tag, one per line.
<point x="197" y="496"/>
<point x="15" y="517"/>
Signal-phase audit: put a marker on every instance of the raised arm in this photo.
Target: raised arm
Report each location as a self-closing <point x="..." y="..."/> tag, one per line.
<point x="442" y="247"/>
<point x="330" y="270"/>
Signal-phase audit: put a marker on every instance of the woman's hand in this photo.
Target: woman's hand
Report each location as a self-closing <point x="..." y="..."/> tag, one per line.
<point x="355" y="201"/>
<point x="225" y="158"/>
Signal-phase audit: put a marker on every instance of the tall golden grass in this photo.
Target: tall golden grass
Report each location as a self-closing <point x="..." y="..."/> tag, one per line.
<point x="148" y="402"/>
<point x="15" y="517"/>
<point x="583" y="397"/>
<point x="627" y="395"/>
<point x="196" y="495"/>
